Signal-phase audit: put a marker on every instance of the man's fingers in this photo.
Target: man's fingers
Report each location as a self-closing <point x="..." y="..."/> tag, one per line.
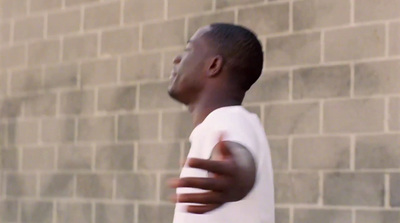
<point x="200" y="198"/>
<point x="200" y="183"/>
<point x="194" y="209"/>
<point x="218" y="167"/>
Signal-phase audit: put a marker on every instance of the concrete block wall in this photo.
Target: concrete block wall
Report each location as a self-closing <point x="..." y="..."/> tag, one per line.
<point x="89" y="135"/>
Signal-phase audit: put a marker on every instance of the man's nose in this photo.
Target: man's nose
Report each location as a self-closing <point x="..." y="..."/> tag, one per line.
<point x="177" y="59"/>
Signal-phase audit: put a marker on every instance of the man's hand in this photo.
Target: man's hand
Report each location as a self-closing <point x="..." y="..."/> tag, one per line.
<point x="231" y="179"/>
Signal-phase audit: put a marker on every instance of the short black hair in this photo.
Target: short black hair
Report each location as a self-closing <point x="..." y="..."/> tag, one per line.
<point x="240" y="49"/>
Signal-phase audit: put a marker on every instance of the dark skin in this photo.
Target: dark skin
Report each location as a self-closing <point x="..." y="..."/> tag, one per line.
<point x="200" y="80"/>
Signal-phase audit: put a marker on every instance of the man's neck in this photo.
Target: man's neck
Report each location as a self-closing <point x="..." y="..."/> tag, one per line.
<point x="205" y="105"/>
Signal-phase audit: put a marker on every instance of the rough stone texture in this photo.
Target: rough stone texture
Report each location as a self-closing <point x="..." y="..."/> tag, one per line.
<point x="56" y="185"/>
<point x="377" y="216"/>
<point x="284" y="119"/>
<point x="270" y="18"/>
<point x="279" y="153"/>
<point x="63" y="22"/>
<point x="37" y="212"/>
<point x="204" y="20"/>
<point x="77" y="102"/>
<point x="395" y="191"/>
<point x="362" y="189"/>
<point x="20" y="185"/>
<point x="80" y="47"/>
<point x="26" y="80"/>
<point x="9" y="159"/>
<point x="271" y="86"/>
<point x="295" y="49"/>
<point x="378" y="152"/>
<point x="136" y="187"/>
<point x="138" y="127"/>
<point x="14" y="8"/>
<point x="89" y="134"/>
<point x="394" y="114"/>
<point x="120" y="41"/>
<point x="321" y="216"/>
<point x="114" y="157"/>
<point x="394" y="33"/>
<point x="296" y="188"/>
<point x="44" y="52"/>
<point x="311" y="14"/>
<point x="230" y="3"/>
<point x="370" y="10"/>
<point x="355" y="43"/>
<point x="8" y="210"/>
<point x="377" y="78"/>
<point x="158" y="156"/>
<point x="143" y="10"/>
<point x="155" y="214"/>
<point x="74" y="212"/>
<point x="61" y="76"/>
<point x="38" y="158"/>
<point x="12" y="56"/>
<point x="71" y="3"/>
<point x="321" y="82"/>
<point x="94" y="186"/>
<point x="103" y="15"/>
<point x="176" y="125"/>
<point x="118" y="213"/>
<point x="164" y="34"/>
<point x="102" y="71"/>
<point x="321" y="153"/>
<point x="74" y="158"/>
<point x="182" y="7"/>
<point x="154" y="96"/>
<point x="355" y="115"/>
<point x="43" y="5"/>
<point x="5" y="33"/>
<point x="23" y="132"/>
<point x="41" y="105"/>
<point x="116" y="98"/>
<point x="29" y="29"/>
<point x="282" y="215"/>
<point x="101" y="129"/>
<point x="140" y="67"/>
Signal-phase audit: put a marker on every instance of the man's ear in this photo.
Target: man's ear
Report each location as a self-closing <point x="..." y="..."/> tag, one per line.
<point x="215" y="66"/>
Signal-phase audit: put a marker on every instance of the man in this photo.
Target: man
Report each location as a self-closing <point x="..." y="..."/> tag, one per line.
<point x="228" y="175"/>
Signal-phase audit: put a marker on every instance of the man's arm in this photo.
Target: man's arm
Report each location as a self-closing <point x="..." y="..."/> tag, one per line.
<point x="233" y="173"/>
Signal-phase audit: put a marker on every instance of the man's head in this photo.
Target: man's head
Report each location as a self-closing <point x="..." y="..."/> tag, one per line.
<point x="219" y="56"/>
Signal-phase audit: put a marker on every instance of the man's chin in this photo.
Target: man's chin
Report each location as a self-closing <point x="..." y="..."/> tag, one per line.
<point x="175" y="95"/>
<point x="172" y="93"/>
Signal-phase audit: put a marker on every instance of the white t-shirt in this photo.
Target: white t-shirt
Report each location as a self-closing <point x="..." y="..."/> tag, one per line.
<point x="240" y="126"/>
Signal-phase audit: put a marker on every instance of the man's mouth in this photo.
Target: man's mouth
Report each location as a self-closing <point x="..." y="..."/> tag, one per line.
<point x="173" y="75"/>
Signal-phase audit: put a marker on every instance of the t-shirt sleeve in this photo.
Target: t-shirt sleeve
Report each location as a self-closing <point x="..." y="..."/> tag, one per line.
<point x="233" y="128"/>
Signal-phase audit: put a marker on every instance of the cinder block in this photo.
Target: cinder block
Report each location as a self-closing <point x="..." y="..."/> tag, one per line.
<point x="284" y="119"/>
<point x="266" y="19"/>
<point x="354" y="115"/>
<point x="321" y="82"/>
<point x="295" y="49"/>
<point x="296" y="188"/>
<point x="344" y="189"/>
<point x="311" y="14"/>
<point x="355" y="43"/>
<point x="378" y="152"/>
